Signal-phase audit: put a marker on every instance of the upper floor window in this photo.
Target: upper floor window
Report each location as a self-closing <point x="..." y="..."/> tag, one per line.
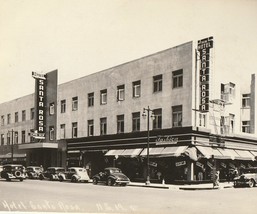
<point x="16" y="117"/>
<point x="62" y="131"/>
<point x="2" y="120"/>
<point x="74" y="103"/>
<point x="74" y="130"/>
<point x="8" y="118"/>
<point x="90" y="127"/>
<point x="51" y="132"/>
<point x="137" y="88"/>
<point x="157" y="83"/>
<point x="2" y="139"/>
<point x="246" y="126"/>
<point x="202" y="119"/>
<point x="103" y="126"/>
<point x="16" y="137"/>
<point x="103" y="97"/>
<point x="9" y="138"/>
<point x="23" y="115"/>
<point x="136" y="121"/>
<point x="231" y="123"/>
<point x="157" y="122"/>
<point x="245" y="100"/>
<point x="177" y="116"/>
<point x="90" y="99"/>
<point x="120" y="92"/>
<point x="63" y="106"/>
<point x="51" y="109"/>
<point x="32" y="139"/>
<point x="32" y="113"/>
<point x="23" y="136"/>
<point x="177" y="78"/>
<point x="120" y="123"/>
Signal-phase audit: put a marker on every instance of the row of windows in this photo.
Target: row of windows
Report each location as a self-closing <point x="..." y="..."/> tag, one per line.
<point x="177" y="81"/>
<point x="16" y="117"/>
<point x="13" y="137"/>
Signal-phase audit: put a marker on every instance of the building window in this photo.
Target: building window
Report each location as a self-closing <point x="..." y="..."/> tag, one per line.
<point x="74" y="130"/>
<point x="246" y="126"/>
<point x="136" y="121"/>
<point x="157" y="83"/>
<point x="2" y="120"/>
<point x="23" y="136"/>
<point x="62" y="133"/>
<point x="32" y="113"/>
<point x="16" y="137"/>
<point x="32" y="139"/>
<point x="8" y="118"/>
<point x="120" y="92"/>
<point x="8" y="138"/>
<point x="245" y="100"/>
<point x="137" y="88"/>
<point x="63" y="106"/>
<point x="177" y="78"/>
<point x="51" y="109"/>
<point x="90" y="99"/>
<point x="231" y="123"/>
<point x="103" y="126"/>
<point x="202" y="119"/>
<point x="23" y="115"/>
<point x="16" y="117"/>
<point x="51" y="133"/>
<point x="120" y="124"/>
<point x="74" y="103"/>
<point x="157" y="122"/>
<point x="177" y="116"/>
<point x="2" y="139"/>
<point x="103" y="97"/>
<point x="90" y="127"/>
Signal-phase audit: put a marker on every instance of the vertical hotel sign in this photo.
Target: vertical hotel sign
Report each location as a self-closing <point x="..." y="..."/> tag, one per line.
<point x="204" y="47"/>
<point x="40" y="101"/>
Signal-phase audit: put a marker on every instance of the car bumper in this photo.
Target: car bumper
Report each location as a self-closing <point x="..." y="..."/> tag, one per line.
<point x="241" y="183"/>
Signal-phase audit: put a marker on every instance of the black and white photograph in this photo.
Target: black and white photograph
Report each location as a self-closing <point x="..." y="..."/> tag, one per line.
<point x="128" y="106"/>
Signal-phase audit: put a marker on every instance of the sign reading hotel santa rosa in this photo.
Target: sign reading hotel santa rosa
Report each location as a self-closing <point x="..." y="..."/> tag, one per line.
<point x="40" y="100"/>
<point x="166" y="139"/>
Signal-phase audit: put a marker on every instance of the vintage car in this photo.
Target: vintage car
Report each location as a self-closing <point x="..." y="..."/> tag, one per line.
<point x="74" y="174"/>
<point x="52" y="173"/>
<point x="33" y="172"/>
<point x="111" y="176"/>
<point x="247" y="178"/>
<point x="13" y="171"/>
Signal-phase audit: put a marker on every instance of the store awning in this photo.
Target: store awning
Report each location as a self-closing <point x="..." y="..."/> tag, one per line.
<point x="245" y="155"/>
<point x="207" y="152"/>
<point x="9" y="155"/>
<point x="254" y="154"/>
<point x="227" y="153"/>
<point x="114" y="152"/>
<point x="124" y="152"/>
<point x="152" y="151"/>
<point x="173" y="151"/>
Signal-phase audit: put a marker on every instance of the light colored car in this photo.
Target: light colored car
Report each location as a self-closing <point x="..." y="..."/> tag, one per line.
<point x="74" y="174"/>
<point x="13" y="171"/>
<point x="33" y="172"/>
<point x="52" y="173"/>
<point x="247" y="178"/>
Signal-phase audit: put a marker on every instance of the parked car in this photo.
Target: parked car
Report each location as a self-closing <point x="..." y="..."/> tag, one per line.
<point x="13" y="171"/>
<point x="1" y="169"/>
<point x="111" y="176"/>
<point x="33" y="172"/>
<point x="51" y="173"/>
<point x="74" y="174"/>
<point x="247" y="178"/>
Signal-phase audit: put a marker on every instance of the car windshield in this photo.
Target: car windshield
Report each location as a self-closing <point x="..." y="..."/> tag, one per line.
<point x="114" y="170"/>
<point x="250" y="170"/>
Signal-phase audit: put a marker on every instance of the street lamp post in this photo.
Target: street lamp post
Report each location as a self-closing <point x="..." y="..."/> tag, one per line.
<point x="11" y="143"/>
<point x="146" y="112"/>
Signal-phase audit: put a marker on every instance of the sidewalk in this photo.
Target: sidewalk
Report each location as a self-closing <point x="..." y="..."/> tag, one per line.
<point x="208" y="186"/>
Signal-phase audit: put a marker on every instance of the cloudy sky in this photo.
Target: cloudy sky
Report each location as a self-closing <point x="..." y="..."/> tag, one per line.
<point x="80" y="37"/>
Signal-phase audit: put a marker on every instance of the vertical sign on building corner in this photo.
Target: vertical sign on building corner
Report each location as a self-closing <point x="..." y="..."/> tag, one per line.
<point x="204" y="47"/>
<point x="40" y="102"/>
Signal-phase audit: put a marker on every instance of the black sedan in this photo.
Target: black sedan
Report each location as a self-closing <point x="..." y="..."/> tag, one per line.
<point x="111" y="176"/>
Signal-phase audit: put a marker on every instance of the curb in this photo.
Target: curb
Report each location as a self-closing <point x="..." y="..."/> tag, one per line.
<point x="156" y="187"/>
<point x="204" y="188"/>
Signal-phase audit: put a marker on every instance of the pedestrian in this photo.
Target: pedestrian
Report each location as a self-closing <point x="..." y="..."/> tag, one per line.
<point x="216" y="180"/>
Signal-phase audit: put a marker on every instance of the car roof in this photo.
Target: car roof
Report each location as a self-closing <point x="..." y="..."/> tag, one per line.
<point x="13" y="165"/>
<point x="109" y="168"/>
<point x="52" y="167"/>
<point x="75" y="168"/>
<point x="33" y="166"/>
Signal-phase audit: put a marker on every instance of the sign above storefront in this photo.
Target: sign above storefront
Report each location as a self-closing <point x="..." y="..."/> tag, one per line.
<point x="166" y="139"/>
<point x="38" y="76"/>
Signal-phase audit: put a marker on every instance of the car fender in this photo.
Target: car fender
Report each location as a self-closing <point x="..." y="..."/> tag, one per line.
<point x="63" y="176"/>
<point x="112" y="177"/>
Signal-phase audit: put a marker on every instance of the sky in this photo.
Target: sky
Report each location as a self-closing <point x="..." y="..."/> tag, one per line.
<point x="80" y="37"/>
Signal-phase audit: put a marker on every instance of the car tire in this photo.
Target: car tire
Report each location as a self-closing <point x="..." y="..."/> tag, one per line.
<point x="109" y="182"/>
<point x="61" y="179"/>
<point x="41" y="177"/>
<point x="123" y="185"/>
<point x="73" y="180"/>
<point x="95" y="181"/>
<point x="251" y="183"/>
<point x="21" y="179"/>
<point x="51" y="177"/>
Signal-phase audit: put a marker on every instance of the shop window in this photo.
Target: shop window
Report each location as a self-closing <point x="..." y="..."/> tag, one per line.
<point x="157" y="122"/>
<point x="2" y="139"/>
<point x="120" y="124"/>
<point x="63" y="106"/>
<point x="157" y="83"/>
<point x="51" y="133"/>
<point x="136" y="121"/>
<point x="2" y="120"/>
<point x="32" y="113"/>
<point x="120" y="92"/>
<point x="23" y="115"/>
<point x="177" y="116"/>
<point x="103" y="126"/>
<point x="137" y="88"/>
<point x="16" y="117"/>
<point x="74" y="130"/>
<point x="90" y="98"/>
<point x="246" y="126"/>
<point x="51" y="109"/>
<point x="74" y="103"/>
<point x="245" y="100"/>
<point x="90" y="127"/>
<point x="23" y="136"/>
<point x="177" y="78"/>
<point x="62" y="131"/>
<point x="8" y="119"/>
<point x="103" y="97"/>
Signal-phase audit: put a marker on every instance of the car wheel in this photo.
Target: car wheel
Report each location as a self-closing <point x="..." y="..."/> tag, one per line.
<point x="41" y="177"/>
<point x="109" y="182"/>
<point x="21" y="179"/>
<point x="51" y="177"/>
<point x="123" y="185"/>
<point x="61" y="179"/>
<point x="95" y="181"/>
<point x="251" y="183"/>
<point x="73" y="179"/>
